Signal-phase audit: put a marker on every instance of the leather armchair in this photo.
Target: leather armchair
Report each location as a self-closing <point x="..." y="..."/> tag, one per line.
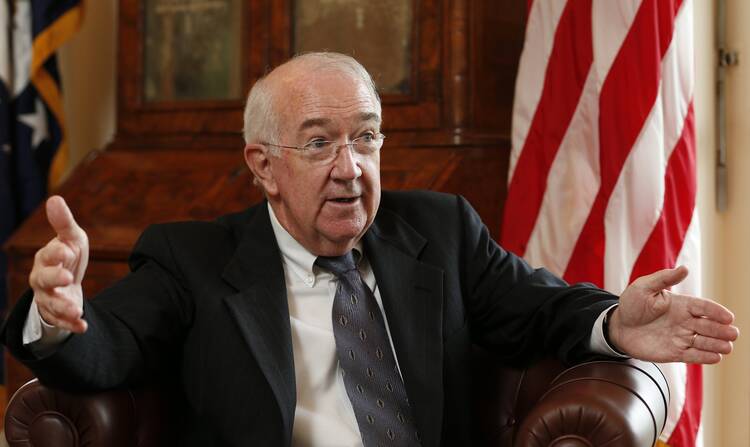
<point x="590" y="404"/>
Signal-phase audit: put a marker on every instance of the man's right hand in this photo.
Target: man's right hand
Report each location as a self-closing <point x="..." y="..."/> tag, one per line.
<point x="58" y="270"/>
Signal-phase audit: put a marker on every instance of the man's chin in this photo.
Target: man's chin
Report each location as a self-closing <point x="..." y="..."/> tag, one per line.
<point x="341" y="239"/>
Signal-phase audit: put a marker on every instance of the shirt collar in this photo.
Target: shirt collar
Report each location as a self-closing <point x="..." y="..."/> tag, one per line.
<point x="296" y="257"/>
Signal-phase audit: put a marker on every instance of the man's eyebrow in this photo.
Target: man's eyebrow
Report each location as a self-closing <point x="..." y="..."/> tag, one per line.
<point x="369" y="116"/>
<point x="314" y="122"/>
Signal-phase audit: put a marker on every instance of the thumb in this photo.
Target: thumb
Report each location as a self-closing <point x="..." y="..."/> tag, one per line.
<point x="664" y="279"/>
<point x="61" y="220"/>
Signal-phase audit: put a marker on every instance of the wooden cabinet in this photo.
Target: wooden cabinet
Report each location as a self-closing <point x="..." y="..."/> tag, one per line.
<point x="178" y="155"/>
<point x="464" y="56"/>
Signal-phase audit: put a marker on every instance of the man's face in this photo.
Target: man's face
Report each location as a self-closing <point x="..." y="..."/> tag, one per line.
<point x="326" y="207"/>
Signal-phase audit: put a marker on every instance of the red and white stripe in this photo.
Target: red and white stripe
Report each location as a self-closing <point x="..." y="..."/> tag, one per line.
<point x="602" y="172"/>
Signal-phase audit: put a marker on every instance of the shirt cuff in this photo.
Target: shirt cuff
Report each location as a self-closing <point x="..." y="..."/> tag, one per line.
<point x="597" y="342"/>
<point x="40" y="335"/>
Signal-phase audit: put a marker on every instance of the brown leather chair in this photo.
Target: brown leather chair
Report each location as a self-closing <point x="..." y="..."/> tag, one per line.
<point x="595" y="403"/>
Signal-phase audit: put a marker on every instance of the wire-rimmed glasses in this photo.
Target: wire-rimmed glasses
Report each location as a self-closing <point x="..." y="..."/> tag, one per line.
<point x="321" y="151"/>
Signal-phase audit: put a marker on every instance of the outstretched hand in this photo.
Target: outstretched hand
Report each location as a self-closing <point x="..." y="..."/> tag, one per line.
<point x="59" y="268"/>
<point x="651" y="323"/>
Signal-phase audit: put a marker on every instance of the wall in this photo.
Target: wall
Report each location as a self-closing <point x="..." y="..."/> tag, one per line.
<point x="87" y="67"/>
<point x="733" y="236"/>
<point x="705" y="105"/>
<point x="725" y="236"/>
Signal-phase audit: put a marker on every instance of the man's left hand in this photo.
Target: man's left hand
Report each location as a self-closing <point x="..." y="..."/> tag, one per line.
<point x="651" y="323"/>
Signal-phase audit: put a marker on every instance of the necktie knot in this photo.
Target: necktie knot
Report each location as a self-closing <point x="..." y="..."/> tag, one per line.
<point x="338" y="265"/>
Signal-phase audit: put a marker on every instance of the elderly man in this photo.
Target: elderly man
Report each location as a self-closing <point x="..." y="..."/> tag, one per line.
<point x="330" y="314"/>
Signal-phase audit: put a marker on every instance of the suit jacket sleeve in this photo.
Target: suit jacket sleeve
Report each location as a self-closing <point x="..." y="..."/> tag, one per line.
<point x="520" y="312"/>
<point x="134" y="331"/>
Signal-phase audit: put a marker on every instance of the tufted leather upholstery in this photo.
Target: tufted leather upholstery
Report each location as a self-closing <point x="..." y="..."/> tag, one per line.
<point x="594" y="403"/>
<point x="38" y="416"/>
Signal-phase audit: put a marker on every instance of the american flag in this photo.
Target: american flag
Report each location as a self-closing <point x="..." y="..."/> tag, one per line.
<point x="32" y="144"/>
<point x="602" y="173"/>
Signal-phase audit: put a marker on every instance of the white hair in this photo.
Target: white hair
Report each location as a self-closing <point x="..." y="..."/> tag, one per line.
<point x="261" y="120"/>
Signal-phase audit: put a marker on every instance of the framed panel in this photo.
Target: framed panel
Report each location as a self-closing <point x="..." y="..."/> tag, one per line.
<point x="379" y="34"/>
<point x="192" y="50"/>
<point x="401" y="43"/>
<point x="184" y="67"/>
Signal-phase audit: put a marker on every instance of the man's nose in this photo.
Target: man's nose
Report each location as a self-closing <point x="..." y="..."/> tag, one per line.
<point x="346" y="164"/>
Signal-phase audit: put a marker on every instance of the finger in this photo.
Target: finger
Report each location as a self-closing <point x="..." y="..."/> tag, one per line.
<point x="54" y="253"/>
<point x="713" y="329"/>
<point x="47" y="278"/>
<point x="58" y="305"/>
<point x="78" y="325"/>
<point x="61" y="312"/>
<point x="61" y="220"/>
<point x="664" y="279"/>
<point x="54" y="316"/>
<point x="701" y="307"/>
<point x="694" y="355"/>
<point x="64" y="307"/>
<point x="710" y="344"/>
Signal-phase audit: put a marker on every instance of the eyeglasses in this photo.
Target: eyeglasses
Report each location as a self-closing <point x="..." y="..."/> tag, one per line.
<point x="320" y="151"/>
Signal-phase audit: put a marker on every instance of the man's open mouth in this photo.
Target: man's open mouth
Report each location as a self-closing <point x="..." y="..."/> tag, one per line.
<point x="345" y="199"/>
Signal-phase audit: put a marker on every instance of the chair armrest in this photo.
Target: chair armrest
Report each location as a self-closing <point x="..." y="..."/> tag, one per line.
<point x="597" y="403"/>
<point x="42" y="416"/>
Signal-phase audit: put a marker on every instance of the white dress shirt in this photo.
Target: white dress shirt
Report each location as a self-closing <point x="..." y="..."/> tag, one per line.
<point x="324" y="415"/>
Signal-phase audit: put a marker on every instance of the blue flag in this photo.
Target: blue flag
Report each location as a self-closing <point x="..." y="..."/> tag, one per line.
<point x="7" y="213"/>
<point x="32" y="144"/>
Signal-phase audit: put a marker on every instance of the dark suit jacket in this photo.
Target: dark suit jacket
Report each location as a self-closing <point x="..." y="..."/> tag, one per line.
<point x="205" y="308"/>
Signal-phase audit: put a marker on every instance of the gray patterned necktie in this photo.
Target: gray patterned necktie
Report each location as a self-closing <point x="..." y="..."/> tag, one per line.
<point x="368" y="366"/>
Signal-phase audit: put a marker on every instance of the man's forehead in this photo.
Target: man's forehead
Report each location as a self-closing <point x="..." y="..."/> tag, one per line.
<point x="309" y="95"/>
<point x="331" y="103"/>
<point x="332" y="89"/>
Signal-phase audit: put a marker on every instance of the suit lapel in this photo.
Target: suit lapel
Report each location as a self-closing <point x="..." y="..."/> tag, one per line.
<point x="261" y="311"/>
<point x="412" y="294"/>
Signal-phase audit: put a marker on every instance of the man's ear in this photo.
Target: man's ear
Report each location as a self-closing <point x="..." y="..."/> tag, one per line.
<point x="258" y="160"/>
